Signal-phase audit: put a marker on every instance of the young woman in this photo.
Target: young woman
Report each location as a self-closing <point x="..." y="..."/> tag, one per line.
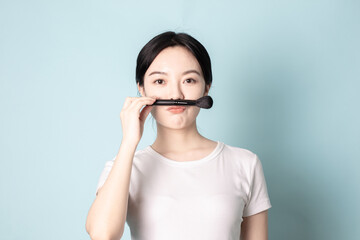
<point x="183" y="186"/>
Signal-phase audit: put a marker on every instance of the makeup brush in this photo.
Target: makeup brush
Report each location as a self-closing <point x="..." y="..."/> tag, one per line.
<point x="203" y="102"/>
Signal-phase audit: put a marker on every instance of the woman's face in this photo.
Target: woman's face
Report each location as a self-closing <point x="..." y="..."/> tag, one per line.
<point x="174" y="74"/>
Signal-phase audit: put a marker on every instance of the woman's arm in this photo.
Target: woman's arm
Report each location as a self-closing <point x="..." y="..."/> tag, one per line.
<point x="107" y="215"/>
<point x="255" y="227"/>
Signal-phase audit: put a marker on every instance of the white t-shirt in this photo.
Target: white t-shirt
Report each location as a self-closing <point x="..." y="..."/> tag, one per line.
<point x="200" y="199"/>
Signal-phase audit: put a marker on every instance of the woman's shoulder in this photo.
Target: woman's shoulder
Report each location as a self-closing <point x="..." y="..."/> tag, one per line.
<point x="239" y="150"/>
<point x="138" y="154"/>
<point x="242" y="154"/>
<point x="143" y="153"/>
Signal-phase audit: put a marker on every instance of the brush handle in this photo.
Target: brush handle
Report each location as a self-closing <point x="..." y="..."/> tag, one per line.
<point x="167" y="102"/>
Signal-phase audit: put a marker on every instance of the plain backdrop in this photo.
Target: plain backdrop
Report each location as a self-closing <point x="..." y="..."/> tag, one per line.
<point x="286" y="86"/>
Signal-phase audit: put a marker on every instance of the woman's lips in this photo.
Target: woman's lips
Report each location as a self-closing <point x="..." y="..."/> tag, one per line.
<point x="177" y="109"/>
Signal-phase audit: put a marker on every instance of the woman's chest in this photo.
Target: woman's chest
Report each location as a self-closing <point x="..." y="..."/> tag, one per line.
<point x="185" y="199"/>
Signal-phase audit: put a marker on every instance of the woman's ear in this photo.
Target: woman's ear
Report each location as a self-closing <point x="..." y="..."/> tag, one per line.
<point x="141" y="90"/>
<point x="207" y="89"/>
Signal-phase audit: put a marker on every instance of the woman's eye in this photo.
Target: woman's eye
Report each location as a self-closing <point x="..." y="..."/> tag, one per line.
<point x="159" y="81"/>
<point x="190" y="80"/>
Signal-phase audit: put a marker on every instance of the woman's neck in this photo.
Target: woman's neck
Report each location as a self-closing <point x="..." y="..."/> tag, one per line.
<point x="178" y="140"/>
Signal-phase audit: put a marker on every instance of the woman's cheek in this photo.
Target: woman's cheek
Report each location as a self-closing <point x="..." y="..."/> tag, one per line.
<point x="155" y="111"/>
<point x="195" y="111"/>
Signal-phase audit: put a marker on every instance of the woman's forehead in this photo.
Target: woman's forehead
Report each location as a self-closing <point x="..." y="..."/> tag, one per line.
<point x="174" y="59"/>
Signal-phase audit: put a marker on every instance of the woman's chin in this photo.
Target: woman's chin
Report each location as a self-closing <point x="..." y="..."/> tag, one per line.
<point x="175" y="121"/>
<point x="175" y="124"/>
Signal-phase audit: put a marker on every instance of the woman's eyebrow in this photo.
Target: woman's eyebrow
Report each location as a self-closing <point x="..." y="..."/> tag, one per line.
<point x="184" y="73"/>
<point x="156" y="72"/>
<point x="191" y="71"/>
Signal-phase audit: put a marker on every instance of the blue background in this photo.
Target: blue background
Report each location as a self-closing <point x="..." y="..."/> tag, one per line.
<point x="286" y="86"/>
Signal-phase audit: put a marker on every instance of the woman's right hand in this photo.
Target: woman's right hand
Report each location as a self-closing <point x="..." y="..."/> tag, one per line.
<point x="132" y="119"/>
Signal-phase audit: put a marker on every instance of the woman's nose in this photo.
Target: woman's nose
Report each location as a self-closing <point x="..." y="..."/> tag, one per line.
<point x="175" y="92"/>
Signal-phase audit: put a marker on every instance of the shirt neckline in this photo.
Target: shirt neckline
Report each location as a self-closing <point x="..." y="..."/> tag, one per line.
<point x="205" y="159"/>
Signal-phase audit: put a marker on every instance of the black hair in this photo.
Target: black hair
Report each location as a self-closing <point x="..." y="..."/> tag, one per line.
<point x="170" y="39"/>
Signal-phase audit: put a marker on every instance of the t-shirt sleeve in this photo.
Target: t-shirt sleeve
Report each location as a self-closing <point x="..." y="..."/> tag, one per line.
<point x="258" y="198"/>
<point x="104" y="174"/>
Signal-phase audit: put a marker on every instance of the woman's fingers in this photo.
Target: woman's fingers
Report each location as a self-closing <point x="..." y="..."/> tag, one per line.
<point x="138" y="102"/>
<point x="127" y="102"/>
<point x="145" y="112"/>
<point x="133" y="118"/>
<point x="144" y="102"/>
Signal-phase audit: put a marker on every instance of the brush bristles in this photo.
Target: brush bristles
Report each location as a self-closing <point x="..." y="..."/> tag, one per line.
<point x="204" y="102"/>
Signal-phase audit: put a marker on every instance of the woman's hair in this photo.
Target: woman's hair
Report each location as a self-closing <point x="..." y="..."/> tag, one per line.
<point x="170" y="39"/>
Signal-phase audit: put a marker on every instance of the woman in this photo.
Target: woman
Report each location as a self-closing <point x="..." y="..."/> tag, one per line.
<point x="183" y="186"/>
